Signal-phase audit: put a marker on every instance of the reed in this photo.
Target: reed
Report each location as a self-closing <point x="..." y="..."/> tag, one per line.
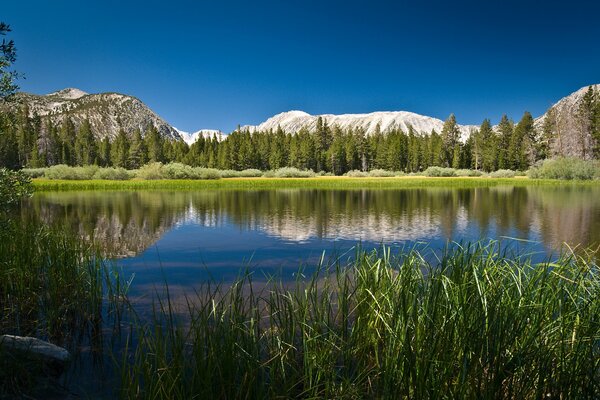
<point x="474" y="322"/>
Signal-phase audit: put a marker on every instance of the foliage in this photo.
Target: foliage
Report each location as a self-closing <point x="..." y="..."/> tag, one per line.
<point x="113" y="174"/>
<point x="467" y="172"/>
<point x="13" y="186"/>
<point x="8" y="55"/>
<point x="439" y="172"/>
<point x="71" y="173"/>
<point x="565" y="168"/>
<point x="503" y="173"/>
<point x="289" y="172"/>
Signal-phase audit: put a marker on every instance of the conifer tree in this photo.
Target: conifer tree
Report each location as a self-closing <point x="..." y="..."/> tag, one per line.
<point x="67" y="137"/>
<point x="138" y="154"/>
<point x="119" y="151"/>
<point x="450" y="138"/>
<point x="104" y="152"/>
<point x="154" y="144"/>
<point x="505" y="133"/>
<point x="85" y="145"/>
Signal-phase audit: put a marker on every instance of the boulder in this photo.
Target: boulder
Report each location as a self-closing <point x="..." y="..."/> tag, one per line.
<point x="35" y="348"/>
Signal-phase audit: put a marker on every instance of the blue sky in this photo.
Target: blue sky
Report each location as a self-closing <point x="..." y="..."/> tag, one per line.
<point x="221" y="63"/>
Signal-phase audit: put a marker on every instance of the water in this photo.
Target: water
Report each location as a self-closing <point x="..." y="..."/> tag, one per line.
<point x="187" y="237"/>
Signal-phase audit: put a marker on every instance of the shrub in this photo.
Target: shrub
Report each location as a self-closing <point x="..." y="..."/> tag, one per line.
<point x="178" y="171"/>
<point x="565" y="168"/>
<point x="355" y="173"/>
<point x="381" y="173"/>
<point x="207" y="173"/>
<point x="503" y="173"/>
<point x="62" y="171"/>
<point x="34" y="172"/>
<point x="468" y="172"/>
<point x="13" y="186"/>
<point x="113" y="174"/>
<point x="291" y="172"/>
<point x="247" y="173"/>
<point x="151" y="171"/>
<point x="439" y="172"/>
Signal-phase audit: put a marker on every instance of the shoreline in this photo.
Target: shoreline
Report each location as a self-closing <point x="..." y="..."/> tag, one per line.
<point x="337" y="182"/>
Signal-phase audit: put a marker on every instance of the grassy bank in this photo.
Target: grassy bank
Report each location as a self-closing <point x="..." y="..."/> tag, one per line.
<point x="474" y="324"/>
<point x="309" y="183"/>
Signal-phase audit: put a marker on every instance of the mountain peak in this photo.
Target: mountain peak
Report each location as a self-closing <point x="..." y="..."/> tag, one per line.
<point x="68" y="93"/>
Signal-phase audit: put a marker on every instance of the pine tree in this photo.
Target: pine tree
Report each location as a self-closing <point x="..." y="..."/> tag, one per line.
<point x="85" y="145"/>
<point x="505" y="133"/>
<point x="104" y="153"/>
<point x="67" y="137"/>
<point x="520" y="149"/>
<point x="450" y="138"/>
<point x="119" y="151"/>
<point x="138" y="154"/>
<point x="25" y="134"/>
<point x="154" y="144"/>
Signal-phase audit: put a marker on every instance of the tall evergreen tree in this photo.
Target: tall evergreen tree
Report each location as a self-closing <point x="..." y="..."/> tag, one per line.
<point x="119" y="151"/>
<point x="86" y="151"/>
<point x="450" y="138"/>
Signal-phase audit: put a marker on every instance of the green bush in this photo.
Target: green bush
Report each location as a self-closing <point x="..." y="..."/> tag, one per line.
<point x="381" y="173"/>
<point x="113" y="174"/>
<point x="150" y="171"/>
<point x="34" y="172"/>
<point x="565" y="168"/>
<point x="62" y="171"/>
<point x="439" y="172"/>
<point x="13" y="186"/>
<point x="247" y="173"/>
<point x="290" y="172"/>
<point x="503" y="173"/>
<point x="468" y="172"/>
<point x="178" y="171"/>
<point x="207" y="173"/>
<point x="355" y="173"/>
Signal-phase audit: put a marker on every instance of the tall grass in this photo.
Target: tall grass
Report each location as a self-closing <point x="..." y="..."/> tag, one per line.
<point x="53" y="286"/>
<point x="474" y="323"/>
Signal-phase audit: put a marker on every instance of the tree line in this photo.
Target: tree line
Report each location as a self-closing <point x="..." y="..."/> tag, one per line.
<point x="27" y="140"/>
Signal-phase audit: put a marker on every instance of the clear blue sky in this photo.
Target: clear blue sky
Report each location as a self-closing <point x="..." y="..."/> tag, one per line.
<point x="216" y="64"/>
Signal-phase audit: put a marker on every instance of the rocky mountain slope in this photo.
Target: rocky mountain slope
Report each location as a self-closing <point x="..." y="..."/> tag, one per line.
<point x="568" y="134"/>
<point x="107" y="112"/>
<point x="293" y="121"/>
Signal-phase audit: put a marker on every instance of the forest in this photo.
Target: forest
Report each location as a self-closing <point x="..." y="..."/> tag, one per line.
<point x="31" y="141"/>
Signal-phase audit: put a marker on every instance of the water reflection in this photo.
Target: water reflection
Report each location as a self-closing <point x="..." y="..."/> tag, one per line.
<point x="127" y="223"/>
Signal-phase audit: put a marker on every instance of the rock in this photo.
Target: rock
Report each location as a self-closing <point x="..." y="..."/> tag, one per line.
<point x="35" y="348"/>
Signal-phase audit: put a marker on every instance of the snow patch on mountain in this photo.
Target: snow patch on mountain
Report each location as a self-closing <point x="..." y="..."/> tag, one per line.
<point x="385" y="121"/>
<point x="191" y="138"/>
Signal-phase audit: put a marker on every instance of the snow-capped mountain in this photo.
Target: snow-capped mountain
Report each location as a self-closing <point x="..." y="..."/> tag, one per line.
<point x="293" y="121"/>
<point x="191" y="138"/>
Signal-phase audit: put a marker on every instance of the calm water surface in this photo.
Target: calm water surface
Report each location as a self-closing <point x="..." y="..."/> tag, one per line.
<point x="188" y="237"/>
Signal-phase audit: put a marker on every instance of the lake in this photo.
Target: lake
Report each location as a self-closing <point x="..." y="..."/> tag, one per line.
<point x="188" y="237"/>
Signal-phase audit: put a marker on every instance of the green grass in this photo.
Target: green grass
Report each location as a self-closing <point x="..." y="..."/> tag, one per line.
<point x="274" y="183"/>
<point x="472" y="324"/>
<point x="54" y="286"/>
